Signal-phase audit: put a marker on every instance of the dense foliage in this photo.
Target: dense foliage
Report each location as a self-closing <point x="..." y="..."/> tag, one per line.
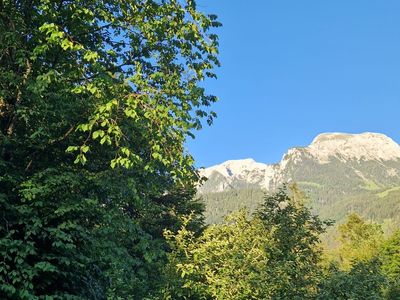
<point x="296" y="233"/>
<point x="359" y="240"/>
<point x="276" y="254"/>
<point x="390" y="256"/>
<point x="226" y="262"/>
<point x="364" y="281"/>
<point x="97" y="193"/>
<point x="273" y="255"/>
<point x="96" y="101"/>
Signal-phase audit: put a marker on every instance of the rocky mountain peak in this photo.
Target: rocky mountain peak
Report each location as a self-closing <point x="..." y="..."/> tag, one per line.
<point x="326" y="149"/>
<point x="339" y="172"/>
<point x="233" y="174"/>
<point x="364" y="146"/>
<point x="232" y="168"/>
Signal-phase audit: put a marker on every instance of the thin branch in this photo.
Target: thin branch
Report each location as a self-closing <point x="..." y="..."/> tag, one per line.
<point x="62" y="137"/>
<point x="18" y="99"/>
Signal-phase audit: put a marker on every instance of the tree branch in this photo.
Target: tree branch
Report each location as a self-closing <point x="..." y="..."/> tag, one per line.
<point x="18" y="98"/>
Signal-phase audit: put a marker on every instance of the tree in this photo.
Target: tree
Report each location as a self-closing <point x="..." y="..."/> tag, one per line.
<point x="273" y="255"/>
<point x="85" y="85"/>
<point x="360" y="241"/>
<point x="390" y="256"/>
<point x="296" y="236"/>
<point x="363" y="281"/>
<point x="226" y="261"/>
<point x="358" y="271"/>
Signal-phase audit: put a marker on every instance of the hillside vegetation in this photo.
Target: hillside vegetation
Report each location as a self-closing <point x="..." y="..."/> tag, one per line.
<point x="380" y="205"/>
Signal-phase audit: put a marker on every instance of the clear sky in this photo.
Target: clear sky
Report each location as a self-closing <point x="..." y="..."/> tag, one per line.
<point x="294" y="69"/>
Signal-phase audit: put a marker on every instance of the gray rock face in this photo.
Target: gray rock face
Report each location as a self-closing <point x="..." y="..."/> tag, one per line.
<point x="367" y="156"/>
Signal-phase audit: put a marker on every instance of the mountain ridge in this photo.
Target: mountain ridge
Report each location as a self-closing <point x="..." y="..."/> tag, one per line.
<point x="365" y="146"/>
<point x="334" y="167"/>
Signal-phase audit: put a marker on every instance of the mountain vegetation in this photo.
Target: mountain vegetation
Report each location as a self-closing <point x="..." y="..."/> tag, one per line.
<point x="381" y="205"/>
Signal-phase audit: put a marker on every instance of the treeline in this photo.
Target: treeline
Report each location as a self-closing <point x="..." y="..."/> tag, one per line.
<point x="381" y="206"/>
<point x="220" y="204"/>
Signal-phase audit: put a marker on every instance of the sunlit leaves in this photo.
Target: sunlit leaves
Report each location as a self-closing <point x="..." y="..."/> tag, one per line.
<point x="272" y="255"/>
<point x="97" y="99"/>
<point x="360" y="240"/>
<point x="162" y="72"/>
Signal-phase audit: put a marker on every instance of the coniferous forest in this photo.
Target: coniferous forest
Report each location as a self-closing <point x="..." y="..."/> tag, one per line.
<point x="98" y="192"/>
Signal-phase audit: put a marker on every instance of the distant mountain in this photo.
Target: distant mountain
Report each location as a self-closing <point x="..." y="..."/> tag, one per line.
<point x="234" y="174"/>
<point x="340" y="172"/>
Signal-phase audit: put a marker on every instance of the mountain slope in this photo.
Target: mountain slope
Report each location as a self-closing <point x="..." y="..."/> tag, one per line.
<point x="336" y="170"/>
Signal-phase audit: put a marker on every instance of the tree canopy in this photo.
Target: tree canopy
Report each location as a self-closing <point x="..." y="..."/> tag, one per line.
<point x="96" y="101"/>
<point x="272" y="255"/>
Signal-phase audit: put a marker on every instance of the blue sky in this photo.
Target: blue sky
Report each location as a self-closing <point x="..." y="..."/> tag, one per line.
<point x="294" y="69"/>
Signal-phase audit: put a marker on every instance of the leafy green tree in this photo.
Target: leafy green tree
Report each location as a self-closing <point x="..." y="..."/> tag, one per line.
<point x="358" y="273"/>
<point x="85" y="85"/>
<point x="273" y="255"/>
<point x="360" y="241"/>
<point x="226" y="261"/>
<point x="296" y="235"/>
<point x="390" y="256"/>
<point x="364" y="281"/>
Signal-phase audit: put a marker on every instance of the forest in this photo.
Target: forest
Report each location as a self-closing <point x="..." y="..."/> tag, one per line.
<point x="98" y="192"/>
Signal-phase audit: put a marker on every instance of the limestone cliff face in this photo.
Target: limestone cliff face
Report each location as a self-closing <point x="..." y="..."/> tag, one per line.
<point x="365" y="146"/>
<point x="367" y="156"/>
